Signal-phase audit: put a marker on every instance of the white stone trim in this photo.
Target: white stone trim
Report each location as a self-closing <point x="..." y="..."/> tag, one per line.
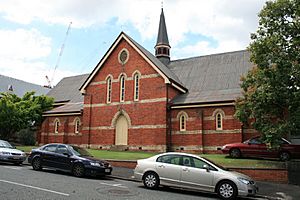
<point x="212" y="118"/>
<point x="119" y="54"/>
<point x="146" y="126"/>
<point x="125" y="102"/>
<point x="117" y="115"/>
<point x="250" y="130"/>
<point x="159" y="148"/>
<point x="178" y="87"/>
<point x="75" y="125"/>
<point x="135" y="89"/>
<point x="222" y="131"/>
<point x="193" y="132"/>
<point x="187" y="147"/>
<point x="190" y="119"/>
<point x="128" y="79"/>
<point x="60" y="134"/>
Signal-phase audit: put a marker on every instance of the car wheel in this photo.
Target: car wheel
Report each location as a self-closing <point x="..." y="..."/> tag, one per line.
<point x="235" y="153"/>
<point x="284" y="156"/>
<point x="36" y="164"/>
<point x="78" y="170"/>
<point x="227" y="190"/>
<point x="151" y="180"/>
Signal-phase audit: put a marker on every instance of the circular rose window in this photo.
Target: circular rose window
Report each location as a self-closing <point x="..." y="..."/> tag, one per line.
<point x="123" y="56"/>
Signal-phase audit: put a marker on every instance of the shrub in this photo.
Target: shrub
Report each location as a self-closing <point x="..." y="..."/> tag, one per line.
<point x="26" y="137"/>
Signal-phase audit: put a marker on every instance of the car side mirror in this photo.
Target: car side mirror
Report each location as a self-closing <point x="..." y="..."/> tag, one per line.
<point x="206" y="167"/>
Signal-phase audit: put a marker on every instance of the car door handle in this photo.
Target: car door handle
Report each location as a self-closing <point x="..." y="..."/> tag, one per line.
<point x="185" y="170"/>
<point x="161" y="166"/>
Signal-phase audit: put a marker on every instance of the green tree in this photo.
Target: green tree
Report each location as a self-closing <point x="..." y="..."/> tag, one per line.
<point x="17" y="113"/>
<point x="271" y="90"/>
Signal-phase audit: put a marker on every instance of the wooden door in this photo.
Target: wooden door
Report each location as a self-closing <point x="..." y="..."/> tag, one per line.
<point x="121" y="131"/>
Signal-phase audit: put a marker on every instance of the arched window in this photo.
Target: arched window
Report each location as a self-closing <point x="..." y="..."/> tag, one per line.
<point x="136" y="78"/>
<point x="219" y="121"/>
<point x="56" y="125"/>
<point x="109" y="86"/>
<point x="77" y="125"/>
<point x="182" y="121"/>
<point x="122" y="88"/>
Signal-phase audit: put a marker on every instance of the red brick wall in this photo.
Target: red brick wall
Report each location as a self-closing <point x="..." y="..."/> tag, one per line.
<point x="147" y="126"/>
<point x="273" y="175"/>
<point x="201" y="134"/>
<point x="66" y="130"/>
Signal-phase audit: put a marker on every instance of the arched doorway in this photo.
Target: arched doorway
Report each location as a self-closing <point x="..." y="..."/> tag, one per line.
<point x="121" y="131"/>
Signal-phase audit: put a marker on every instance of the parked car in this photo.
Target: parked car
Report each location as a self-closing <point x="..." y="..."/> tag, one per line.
<point x="8" y="153"/>
<point x="193" y="172"/>
<point x="254" y="147"/>
<point x="68" y="158"/>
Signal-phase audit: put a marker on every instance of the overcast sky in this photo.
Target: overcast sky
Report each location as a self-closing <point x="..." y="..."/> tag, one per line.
<point x="33" y="31"/>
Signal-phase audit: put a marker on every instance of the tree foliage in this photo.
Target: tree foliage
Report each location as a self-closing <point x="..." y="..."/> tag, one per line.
<point x="271" y="90"/>
<point x="17" y="113"/>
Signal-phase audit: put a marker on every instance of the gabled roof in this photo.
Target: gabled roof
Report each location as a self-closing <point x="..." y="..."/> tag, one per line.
<point x="74" y="108"/>
<point x="20" y="87"/>
<point x="211" y="78"/>
<point x="67" y="90"/>
<point x="164" y="71"/>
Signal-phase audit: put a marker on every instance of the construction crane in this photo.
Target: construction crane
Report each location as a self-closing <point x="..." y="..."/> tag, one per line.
<point x="59" y="57"/>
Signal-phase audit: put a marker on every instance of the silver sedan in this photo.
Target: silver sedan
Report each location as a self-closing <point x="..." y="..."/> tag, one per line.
<point x="193" y="172"/>
<point x="8" y="153"/>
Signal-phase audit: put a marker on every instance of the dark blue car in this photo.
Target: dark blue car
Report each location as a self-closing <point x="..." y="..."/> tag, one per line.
<point x="68" y="158"/>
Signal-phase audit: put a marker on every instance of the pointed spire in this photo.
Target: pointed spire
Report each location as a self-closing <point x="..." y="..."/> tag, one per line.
<point x="162" y="37"/>
<point x="162" y="47"/>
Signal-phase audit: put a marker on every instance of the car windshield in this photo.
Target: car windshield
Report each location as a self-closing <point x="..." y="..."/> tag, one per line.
<point x="78" y="151"/>
<point x="4" y="144"/>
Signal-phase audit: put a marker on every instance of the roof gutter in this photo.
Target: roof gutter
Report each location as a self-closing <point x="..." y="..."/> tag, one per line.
<point x="202" y="105"/>
<point x="61" y="114"/>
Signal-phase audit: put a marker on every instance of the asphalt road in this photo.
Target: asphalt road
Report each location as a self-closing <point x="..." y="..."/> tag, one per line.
<point x="23" y="183"/>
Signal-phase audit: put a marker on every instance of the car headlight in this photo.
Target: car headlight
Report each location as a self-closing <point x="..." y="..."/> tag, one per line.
<point x="95" y="164"/>
<point x="245" y="181"/>
<point x="224" y="147"/>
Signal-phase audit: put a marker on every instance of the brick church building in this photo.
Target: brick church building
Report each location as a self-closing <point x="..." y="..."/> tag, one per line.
<point x="135" y="100"/>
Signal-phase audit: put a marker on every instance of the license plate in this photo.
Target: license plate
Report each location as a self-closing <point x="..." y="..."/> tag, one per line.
<point x="107" y="170"/>
<point x="16" y="158"/>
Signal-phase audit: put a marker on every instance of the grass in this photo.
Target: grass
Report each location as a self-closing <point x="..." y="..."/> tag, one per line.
<point x="220" y="159"/>
<point x="26" y="148"/>
<point x="121" y="155"/>
<point x="226" y="161"/>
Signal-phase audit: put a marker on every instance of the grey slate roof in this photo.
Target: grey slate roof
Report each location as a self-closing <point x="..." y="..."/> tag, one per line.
<point x="162" y="36"/>
<point x="211" y="78"/>
<point x="67" y="108"/>
<point x="20" y="87"/>
<point x="68" y="89"/>
<point x="165" y="70"/>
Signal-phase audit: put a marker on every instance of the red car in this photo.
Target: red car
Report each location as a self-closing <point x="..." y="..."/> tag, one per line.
<point x="254" y="147"/>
